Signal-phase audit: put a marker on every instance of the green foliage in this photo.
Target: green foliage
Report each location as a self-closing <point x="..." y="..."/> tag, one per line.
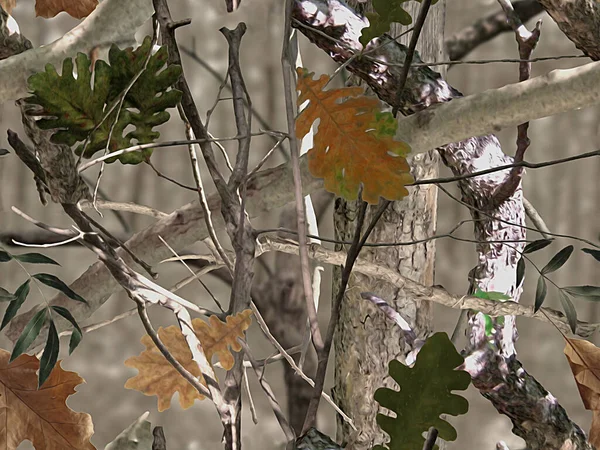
<point x="496" y="296"/>
<point x="77" y="109"/>
<point x="56" y="283"/>
<point x="425" y="393"/>
<point x="34" y="326"/>
<point x="386" y="12"/>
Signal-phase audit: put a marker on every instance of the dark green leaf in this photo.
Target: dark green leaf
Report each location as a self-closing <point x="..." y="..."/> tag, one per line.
<point x="590" y="251"/>
<point x="11" y="311"/>
<point x="540" y="293"/>
<point x="520" y="271"/>
<point x="77" y="334"/>
<point x="35" y="258"/>
<point x="56" y="283"/>
<point x="537" y="245"/>
<point x="583" y="291"/>
<point x="497" y="296"/>
<point x="558" y="260"/>
<point x="6" y="296"/>
<point x="50" y="355"/>
<point x="29" y="333"/>
<point x="5" y="256"/>
<point x="569" y="309"/>
<point x="425" y="393"/>
<point x="73" y="107"/>
<point x="3" y="152"/>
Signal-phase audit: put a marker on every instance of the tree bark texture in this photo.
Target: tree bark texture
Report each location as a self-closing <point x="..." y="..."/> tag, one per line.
<point x="579" y="20"/>
<point x="366" y="340"/>
<point x="498" y="217"/>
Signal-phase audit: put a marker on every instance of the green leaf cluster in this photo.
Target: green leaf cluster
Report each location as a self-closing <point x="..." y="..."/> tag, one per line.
<point x="425" y="393"/>
<point x="385" y="13"/>
<point x="587" y="292"/>
<point x="44" y="316"/>
<point x="85" y="108"/>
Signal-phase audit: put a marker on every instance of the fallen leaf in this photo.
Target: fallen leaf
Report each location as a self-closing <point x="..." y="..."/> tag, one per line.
<point x="8" y="5"/>
<point x="584" y="359"/>
<point x="156" y="376"/>
<point x="40" y="415"/>
<point x="75" y="8"/>
<point x="354" y="144"/>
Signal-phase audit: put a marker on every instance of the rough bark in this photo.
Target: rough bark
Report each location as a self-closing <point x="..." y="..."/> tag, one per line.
<point x="579" y="20"/>
<point x="491" y="361"/>
<point x="366" y="341"/>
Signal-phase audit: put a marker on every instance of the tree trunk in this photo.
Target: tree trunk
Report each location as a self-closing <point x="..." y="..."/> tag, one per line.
<point x="366" y="340"/>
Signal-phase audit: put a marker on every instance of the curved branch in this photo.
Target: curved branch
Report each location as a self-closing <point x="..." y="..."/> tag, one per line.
<point x="113" y="21"/>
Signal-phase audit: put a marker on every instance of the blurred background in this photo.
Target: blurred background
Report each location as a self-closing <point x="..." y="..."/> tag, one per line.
<point x="566" y="196"/>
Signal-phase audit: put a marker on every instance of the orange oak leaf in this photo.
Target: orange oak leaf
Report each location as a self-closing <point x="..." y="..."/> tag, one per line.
<point x="75" y="8"/>
<point x="157" y="377"/>
<point x="354" y="145"/>
<point x="40" y="415"/>
<point x="584" y="359"/>
<point x="8" y="5"/>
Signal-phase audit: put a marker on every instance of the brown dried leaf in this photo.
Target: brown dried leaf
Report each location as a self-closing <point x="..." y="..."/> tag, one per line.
<point x="75" y="8"/>
<point x="584" y="359"/>
<point x="217" y="336"/>
<point x="354" y="144"/>
<point x="157" y="377"/>
<point x="8" y="5"/>
<point x="40" y="415"/>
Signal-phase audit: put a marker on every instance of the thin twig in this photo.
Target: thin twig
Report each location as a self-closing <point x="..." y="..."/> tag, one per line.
<point x="287" y="67"/>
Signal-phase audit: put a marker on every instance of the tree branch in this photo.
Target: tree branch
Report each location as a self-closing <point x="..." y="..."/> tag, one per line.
<point x="113" y="21"/>
<point x="462" y="43"/>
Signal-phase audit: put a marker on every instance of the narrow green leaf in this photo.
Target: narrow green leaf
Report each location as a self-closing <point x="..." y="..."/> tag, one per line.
<point x="569" y="309"/>
<point x="19" y="298"/>
<point x="537" y="245"/>
<point x="540" y="293"/>
<point x="489" y="325"/>
<point x="520" y="271"/>
<point x="30" y="332"/>
<point x="492" y="295"/>
<point x="50" y="355"/>
<point x="3" y="152"/>
<point x="77" y="333"/>
<point x="56" y="283"/>
<point x="590" y="251"/>
<point x="5" y="256"/>
<point x="558" y="260"/>
<point x="6" y="296"/>
<point x="35" y="258"/>
<point x="583" y="291"/>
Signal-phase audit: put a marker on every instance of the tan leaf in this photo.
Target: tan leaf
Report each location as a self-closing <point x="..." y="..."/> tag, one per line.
<point x="217" y="336"/>
<point x="76" y="8"/>
<point x="157" y="377"/>
<point x="584" y="359"/>
<point x="40" y="415"/>
<point x="8" y="5"/>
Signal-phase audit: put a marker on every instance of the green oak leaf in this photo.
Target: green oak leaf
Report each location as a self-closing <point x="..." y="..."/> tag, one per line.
<point x="75" y="106"/>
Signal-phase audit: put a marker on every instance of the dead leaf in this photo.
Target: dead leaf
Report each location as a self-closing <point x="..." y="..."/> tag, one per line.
<point x="40" y="415"/>
<point x="8" y="5"/>
<point x="584" y="359"/>
<point x="75" y="8"/>
<point x="157" y="377"/>
<point x="216" y="336"/>
<point x="354" y="144"/>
